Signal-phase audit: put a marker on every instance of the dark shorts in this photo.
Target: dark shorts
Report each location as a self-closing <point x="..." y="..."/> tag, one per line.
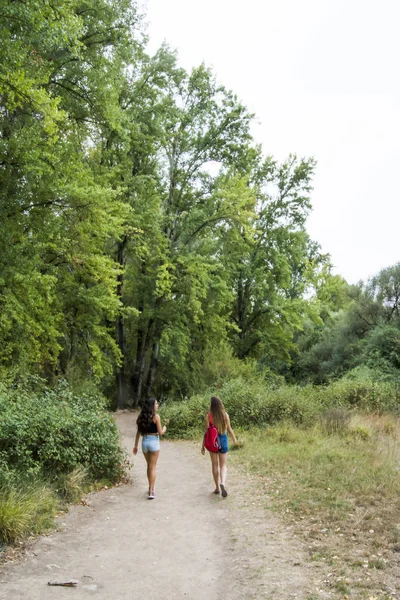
<point x="223" y="443"/>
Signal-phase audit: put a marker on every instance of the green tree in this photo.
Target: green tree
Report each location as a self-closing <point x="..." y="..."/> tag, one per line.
<point x="359" y="326"/>
<point x="272" y="261"/>
<point x="385" y="289"/>
<point x="57" y="287"/>
<point x="196" y="125"/>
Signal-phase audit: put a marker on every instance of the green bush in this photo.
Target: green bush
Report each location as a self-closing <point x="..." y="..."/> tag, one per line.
<point x="367" y="396"/>
<point x="186" y="418"/>
<point x="54" y="431"/>
<point x="220" y="365"/>
<point x="254" y="403"/>
<point x="248" y="404"/>
<point x="52" y="442"/>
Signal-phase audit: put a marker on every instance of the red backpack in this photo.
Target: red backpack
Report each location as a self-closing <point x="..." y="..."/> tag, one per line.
<point x="211" y="436"/>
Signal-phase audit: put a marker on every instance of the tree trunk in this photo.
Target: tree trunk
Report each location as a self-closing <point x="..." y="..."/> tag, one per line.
<point x="241" y="316"/>
<point x="153" y="367"/>
<point x="122" y="392"/>
<point x="121" y="384"/>
<point x="143" y="345"/>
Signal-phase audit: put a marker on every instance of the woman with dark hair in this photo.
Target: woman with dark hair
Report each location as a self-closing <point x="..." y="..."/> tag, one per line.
<point x="220" y="418"/>
<point x="149" y="427"/>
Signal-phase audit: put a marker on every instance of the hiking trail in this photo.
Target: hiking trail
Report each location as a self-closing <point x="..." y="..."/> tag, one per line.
<point x="188" y="543"/>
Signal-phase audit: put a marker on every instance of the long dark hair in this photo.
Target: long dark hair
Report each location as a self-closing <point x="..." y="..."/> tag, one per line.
<point x="218" y="414"/>
<point x="146" y="415"/>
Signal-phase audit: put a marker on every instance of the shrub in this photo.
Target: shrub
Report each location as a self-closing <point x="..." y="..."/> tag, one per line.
<point x="367" y="396"/>
<point x="220" y="365"/>
<point x="254" y="403"/>
<point x="50" y="441"/>
<point x="186" y="418"/>
<point x="248" y="403"/>
<point x="55" y="431"/>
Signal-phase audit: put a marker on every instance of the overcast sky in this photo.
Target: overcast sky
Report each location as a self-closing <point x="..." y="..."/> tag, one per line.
<point x="322" y="77"/>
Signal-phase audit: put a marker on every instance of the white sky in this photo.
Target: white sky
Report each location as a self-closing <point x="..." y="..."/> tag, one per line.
<point x="322" y="77"/>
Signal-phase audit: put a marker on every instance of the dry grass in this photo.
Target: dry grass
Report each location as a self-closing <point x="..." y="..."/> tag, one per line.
<point x="73" y="485"/>
<point x="28" y="507"/>
<point x="341" y="491"/>
<point x="24" y="510"/>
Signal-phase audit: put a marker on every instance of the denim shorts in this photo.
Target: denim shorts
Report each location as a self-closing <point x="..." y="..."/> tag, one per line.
<point x="150" y="443"/>
<point x="223" y="443"/>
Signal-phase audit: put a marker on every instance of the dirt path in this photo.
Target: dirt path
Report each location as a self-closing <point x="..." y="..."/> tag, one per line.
<point x="187" y="543"/>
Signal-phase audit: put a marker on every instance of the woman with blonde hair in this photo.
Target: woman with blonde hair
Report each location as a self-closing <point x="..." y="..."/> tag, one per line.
<point x="218" y="416"/>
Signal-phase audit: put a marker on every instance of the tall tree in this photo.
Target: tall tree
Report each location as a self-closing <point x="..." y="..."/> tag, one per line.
<point x="198" y="124"/>
<point x="272" y="262"/>
<point x="58" y="283"/>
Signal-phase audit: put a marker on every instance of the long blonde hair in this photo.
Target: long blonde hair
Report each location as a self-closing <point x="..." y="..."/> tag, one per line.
<point x="218" y="414"/>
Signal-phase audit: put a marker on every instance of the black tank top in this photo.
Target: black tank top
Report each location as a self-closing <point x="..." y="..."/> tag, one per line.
<point x="152" y="428"/>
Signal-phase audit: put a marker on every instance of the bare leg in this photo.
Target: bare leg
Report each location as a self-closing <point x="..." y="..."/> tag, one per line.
<point x="147" y="457"/>
<point x="223" y="470"/>
<point x="152" y="468"/>
<point x="215" y="470"/>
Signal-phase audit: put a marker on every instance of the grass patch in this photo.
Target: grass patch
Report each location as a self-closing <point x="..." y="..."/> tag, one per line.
<point x="25" y="509"/>
<point x="338" y="487"/>
<point x="29" y="506"/>
<point x="72" y="486"/>
<point x="344" y="481"/>
<point x="341" y="587"/>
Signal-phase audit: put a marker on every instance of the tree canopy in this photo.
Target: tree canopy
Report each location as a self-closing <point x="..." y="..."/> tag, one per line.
<point x="142" y="228"/>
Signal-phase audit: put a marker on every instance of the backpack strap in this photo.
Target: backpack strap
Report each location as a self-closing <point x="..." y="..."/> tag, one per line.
<point x="210" y="421"/>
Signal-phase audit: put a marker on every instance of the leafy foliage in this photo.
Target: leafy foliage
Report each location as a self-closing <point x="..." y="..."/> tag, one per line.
<point x="253" y="403"/>
<point x="148" y="245"/>
<point x="52" y="432"/>
<point x="143" y="230"/>
<point x="362" y="333"/>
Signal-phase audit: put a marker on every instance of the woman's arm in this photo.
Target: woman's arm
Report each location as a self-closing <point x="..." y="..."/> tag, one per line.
<point x="203" y="448"/>
<point x="230" y="430"/>
<point x="136" y="442"/>
<point x="160" y="430"/>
